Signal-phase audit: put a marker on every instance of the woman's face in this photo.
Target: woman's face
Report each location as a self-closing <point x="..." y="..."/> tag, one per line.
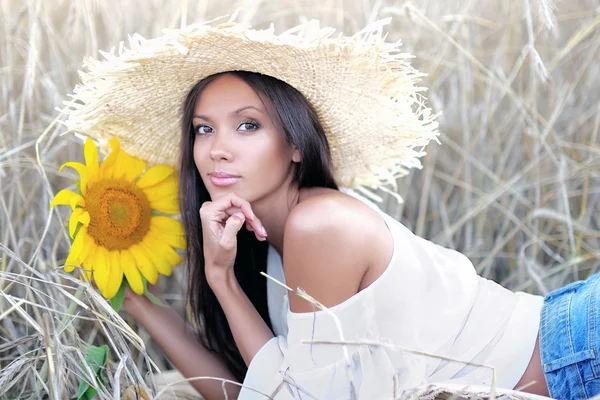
<point x="237" y="147"/>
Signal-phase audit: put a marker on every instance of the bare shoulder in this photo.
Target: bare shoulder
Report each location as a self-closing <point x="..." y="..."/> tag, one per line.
<point x="328" y="211"/>
<point x="331" y="241"/>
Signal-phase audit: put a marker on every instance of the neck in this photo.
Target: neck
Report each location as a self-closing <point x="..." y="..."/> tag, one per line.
<point x="273" y="212"/>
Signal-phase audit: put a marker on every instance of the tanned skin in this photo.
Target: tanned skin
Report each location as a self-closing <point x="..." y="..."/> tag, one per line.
<point x="332" y="245"/>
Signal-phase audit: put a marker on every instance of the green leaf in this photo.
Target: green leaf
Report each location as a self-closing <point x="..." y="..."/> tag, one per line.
<point x="149" y="295"/>
<point x="96" y="358"/>
<point x="81" y="392"/>
<point x="90" y="393"/>
<point x="79" y="225"/>
<point x="154" y="299"/>
<point x="117" y="301"/>
<point x="83" y="387"/>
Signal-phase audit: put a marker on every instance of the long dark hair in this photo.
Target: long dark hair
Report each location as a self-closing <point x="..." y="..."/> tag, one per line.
<point x="297" y="121"/>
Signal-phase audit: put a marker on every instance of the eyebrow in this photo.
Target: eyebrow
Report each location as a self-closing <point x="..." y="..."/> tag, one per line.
<point x="236" y="112"/>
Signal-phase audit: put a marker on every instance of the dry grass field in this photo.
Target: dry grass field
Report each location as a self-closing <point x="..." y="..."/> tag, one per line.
<point x="515" y="183"/>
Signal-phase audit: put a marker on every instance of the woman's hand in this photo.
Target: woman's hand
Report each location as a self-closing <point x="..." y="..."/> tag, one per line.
<point x="135" y="304"/>
<point x="179" y="342"/>
<point x="221" y="221"/>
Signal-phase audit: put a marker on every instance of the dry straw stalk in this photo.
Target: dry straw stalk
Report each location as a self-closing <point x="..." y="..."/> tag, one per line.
<point x="515" y="183"/>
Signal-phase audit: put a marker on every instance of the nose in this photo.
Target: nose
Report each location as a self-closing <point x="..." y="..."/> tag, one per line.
<point x="220" y="148"/>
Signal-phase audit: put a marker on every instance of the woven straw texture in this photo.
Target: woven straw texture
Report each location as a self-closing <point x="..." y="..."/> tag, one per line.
<point x="363" y="89"/>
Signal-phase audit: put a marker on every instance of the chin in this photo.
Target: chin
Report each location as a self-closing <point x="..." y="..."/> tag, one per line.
<point x="217" y="192"/>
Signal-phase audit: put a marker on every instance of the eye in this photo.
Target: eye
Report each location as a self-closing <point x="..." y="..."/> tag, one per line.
<point x="249" y="126"/>
<point x="203" y="129"/>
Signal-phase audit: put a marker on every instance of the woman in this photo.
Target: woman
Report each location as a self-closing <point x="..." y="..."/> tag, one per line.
<point x="258" y="192"/>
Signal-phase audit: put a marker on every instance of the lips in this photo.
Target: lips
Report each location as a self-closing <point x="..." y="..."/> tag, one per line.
<point x="223" y="179"/>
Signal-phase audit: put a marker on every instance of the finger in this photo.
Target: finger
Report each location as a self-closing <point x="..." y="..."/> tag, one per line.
<point x="232" y="210"/>
<point x="216" y="221"/>
<point x="209" y="213"/>
<point x="253" y="226"/>
<point x="246" y="208"/>
<point x="233" y="203"/>
<point x="258" y="235"/>
<point x="216" y="228"/>
<point x="258" y="232"/>
<point x="228" y="239"/>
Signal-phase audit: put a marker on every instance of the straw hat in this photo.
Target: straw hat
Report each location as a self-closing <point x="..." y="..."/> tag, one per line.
<point x="362" y="88"/>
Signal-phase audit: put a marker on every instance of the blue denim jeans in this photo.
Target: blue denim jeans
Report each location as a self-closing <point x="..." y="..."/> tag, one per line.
<point x="570" y="340"/>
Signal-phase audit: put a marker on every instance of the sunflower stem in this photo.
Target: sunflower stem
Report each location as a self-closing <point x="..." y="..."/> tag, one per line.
<point x="117" y="301"/>
<point x="149" y="295"/>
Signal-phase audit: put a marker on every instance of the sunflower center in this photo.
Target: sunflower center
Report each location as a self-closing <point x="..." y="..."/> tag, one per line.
<point x="119" y="213"/>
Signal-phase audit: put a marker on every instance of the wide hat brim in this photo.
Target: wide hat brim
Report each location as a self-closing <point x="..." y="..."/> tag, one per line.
<point x="362" y="88"/>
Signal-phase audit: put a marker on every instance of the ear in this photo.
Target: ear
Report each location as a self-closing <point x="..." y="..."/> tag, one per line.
<point x="296" y="155"/>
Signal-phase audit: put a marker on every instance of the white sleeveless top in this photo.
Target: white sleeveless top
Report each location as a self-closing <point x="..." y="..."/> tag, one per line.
<point x="428" y="302"/>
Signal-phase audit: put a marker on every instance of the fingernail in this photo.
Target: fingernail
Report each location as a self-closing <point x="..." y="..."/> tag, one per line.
<point x="240" y="216"/>
<point x="264" y="231"/>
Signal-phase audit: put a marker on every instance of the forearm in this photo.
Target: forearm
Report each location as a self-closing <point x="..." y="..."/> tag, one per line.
<point x="249" y="330"/>
<point x="180" y="344"/>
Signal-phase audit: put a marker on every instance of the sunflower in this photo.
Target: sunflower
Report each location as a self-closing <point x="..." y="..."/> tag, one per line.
<point x="118" y="223"/>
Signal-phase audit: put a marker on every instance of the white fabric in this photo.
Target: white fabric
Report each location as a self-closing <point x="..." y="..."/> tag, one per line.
<point x="428" y="300"/>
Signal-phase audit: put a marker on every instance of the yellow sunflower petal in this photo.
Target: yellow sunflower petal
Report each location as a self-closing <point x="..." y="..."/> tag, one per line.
<point x="154" y="175"/>
<point x="71" y="262"/>
<point x="166" y="188"/>
<point x="106" y="168"/>
<point x="84" y="217"/>
<point x="73" y="220"/>
<point x="144" y="264"/>
<point x="87" y="272"/>
<point x="161" y="264"/>
<point x="135" y="168"/>
<point x="119" y="163"/>
<point x="90" y="152"/>
<point x="81" y="170"/>
<point x="115" y="276"/>
<point x="101" y="268"/>
<point x="89" y="248"/>
<point x="167" y="205"/>
<point x="162" y="250"/>
<point x="127" y="166"/>
<point x="172" y="240"/>
<point x="168" y="225"/>
<point x="74" y="259"/>
<point x="67" y="197"/>
<point x="134" y="278"/>
<point x="79" y="242"/>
